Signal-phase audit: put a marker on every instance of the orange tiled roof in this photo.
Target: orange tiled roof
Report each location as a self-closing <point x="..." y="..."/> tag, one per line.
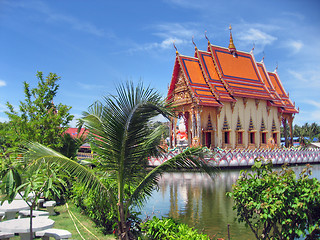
<point x="265" y="77"/>
<point x="211" y="74"/>
<point x="240" y="73"/>
<point x="216" y="75"/>
<point x="196" y="81"/>
<point x="288" y="106"/>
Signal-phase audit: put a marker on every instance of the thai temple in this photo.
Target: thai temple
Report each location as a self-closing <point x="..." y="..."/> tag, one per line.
<point x="225" y="98"/>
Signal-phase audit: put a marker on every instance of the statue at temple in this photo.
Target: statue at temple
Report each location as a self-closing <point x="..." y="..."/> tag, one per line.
<point x="182" y="135"/>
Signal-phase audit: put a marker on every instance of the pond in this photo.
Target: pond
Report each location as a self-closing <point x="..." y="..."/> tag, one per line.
<point x="201" y="202"/>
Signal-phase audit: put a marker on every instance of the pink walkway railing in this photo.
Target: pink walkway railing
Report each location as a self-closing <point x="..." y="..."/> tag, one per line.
<point x="245" y="157"/>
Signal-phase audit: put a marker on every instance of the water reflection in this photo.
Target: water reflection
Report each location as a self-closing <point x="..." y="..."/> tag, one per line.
<point x="199" y="201"/>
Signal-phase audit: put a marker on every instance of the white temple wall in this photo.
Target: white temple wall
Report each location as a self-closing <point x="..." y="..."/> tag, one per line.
<point x="244" y="109"/>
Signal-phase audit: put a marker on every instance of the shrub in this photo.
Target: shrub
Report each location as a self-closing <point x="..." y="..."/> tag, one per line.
<point x="277" y="204"/>
<point x="95" y="207"/>
<point x="167" y="228"/>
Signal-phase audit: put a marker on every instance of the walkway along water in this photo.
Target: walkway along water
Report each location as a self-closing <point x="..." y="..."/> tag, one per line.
<point x="245" y="157"/>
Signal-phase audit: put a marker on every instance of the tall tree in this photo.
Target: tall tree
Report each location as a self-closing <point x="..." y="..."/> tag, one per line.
<point x="38" y="118"/>
<point x="118" y="129"/>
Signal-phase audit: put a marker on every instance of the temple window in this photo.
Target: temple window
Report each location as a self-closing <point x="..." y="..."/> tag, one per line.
<point x="226" y="133"/>
<point x="239" y="133"/>
<point x="251" y="138"/>
<point x="274" y="132"/>
<point x="226" y="137"/>
<point x="264" y="138"/>
<point x="252" y="133"/>
<point x="240" y="138"/>
<point x="275" y="137"/>
<point x="264" y="132"/>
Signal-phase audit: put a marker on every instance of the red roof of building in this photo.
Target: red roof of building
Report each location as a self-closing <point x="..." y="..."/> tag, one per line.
<point x="74" y="132"/>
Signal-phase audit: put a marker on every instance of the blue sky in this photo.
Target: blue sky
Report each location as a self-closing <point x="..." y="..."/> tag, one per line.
<point x="94" y="45"/>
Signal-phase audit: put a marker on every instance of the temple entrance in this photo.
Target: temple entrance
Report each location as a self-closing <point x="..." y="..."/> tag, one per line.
<point x="208" y="139"/>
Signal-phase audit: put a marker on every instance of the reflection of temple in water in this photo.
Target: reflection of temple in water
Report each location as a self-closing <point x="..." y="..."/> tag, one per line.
<point x="196" y="199"/>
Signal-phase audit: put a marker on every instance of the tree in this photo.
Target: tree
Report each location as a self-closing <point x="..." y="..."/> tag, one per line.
<point x="40" y="179"/>
<point x="118" y="129"/>
<point x="38" y="118"/>
<point x="276" y="204"/>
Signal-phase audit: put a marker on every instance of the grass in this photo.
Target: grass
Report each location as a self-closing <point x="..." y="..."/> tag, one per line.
<point x="64" y="221"/>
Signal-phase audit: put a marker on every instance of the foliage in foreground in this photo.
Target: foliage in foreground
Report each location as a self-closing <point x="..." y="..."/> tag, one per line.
<point x="167" y="228"/>
<point x="276" y="204"/>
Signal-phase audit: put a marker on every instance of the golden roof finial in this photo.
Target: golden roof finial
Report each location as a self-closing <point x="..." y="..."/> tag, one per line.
<point x="195" y="46"/>
<point x="263" y="57"/>
<point x="252" y="48"/>
<point x="175" y="47"/>
<point x="231" y="47"/>
<point x="205" y="34"/>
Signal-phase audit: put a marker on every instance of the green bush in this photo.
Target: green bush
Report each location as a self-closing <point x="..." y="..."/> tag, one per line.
<point x="167" y="228"/>
<point x="94" y="206"/>
<point x="278" y="204"/>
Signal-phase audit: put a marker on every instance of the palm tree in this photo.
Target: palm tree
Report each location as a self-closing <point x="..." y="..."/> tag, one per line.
<point x="122" y="141"/>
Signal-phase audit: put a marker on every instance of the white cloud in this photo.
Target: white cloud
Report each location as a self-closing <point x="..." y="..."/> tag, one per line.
<point x="256" y="36"/>
<point x="51" y="15"/>
<point x="166" y="30"/>
<point x="169" y="33"/>
<point x="2" y="83"/>
<point x="76" y="24"/>
<point x="306" y="78"/>
<point x="295" y="45"/>
<point x="297" y="75"/>
<point x="295" y="15"/>
<point x="313" y="103"/>
<point x="309" y="113"/>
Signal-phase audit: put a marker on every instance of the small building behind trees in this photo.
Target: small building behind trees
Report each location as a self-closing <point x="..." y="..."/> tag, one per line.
<point x="224" y="98"/>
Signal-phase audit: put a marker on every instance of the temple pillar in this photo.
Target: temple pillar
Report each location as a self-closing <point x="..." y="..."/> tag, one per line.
<point x="290" y="120"/>
<point x="174" y="133"/>
<point x="171" y="133"/>
<point x="199" y="127"/>
<point x="193" y="124"/>
<point x="285" y="134"/>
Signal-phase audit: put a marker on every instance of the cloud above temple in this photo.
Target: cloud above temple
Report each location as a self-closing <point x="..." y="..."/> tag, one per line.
<point x="167" y="34"/>
<point x="257" y="37"/>
<point x="2" y="83"/>
<point x="295" y="45"/>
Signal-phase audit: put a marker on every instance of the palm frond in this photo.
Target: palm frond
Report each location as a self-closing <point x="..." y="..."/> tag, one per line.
<point x="191" y="158"/>
<point x="37" y="152"/>
<point x="118" y="128"/>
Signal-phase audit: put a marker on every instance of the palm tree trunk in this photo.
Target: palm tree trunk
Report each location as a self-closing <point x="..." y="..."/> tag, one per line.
<point x="31" y="213"/>
<point x="123" y="229"/>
